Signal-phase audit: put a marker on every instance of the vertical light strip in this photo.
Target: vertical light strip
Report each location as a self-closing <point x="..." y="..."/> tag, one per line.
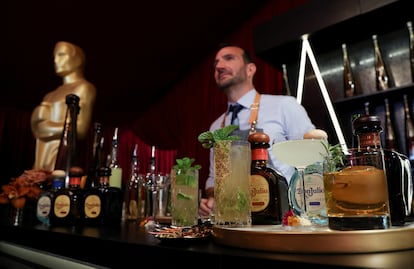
<point x="306" y="49"/>
<point x="325" y="95"/>
<point x="301" y="76"/>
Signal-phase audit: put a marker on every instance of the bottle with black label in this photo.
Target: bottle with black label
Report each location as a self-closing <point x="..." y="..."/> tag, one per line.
<point x="269" y="189"/>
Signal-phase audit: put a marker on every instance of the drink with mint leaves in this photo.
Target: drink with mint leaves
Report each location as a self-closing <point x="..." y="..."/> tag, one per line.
<point x="184" y="193"/>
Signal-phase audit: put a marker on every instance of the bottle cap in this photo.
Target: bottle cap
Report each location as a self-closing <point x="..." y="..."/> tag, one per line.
<point x="258" y="137"/>
<point x="366" y="124"/>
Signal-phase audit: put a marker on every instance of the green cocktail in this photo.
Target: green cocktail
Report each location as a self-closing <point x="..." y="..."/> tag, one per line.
<point x="232" y="160"/>
<point x="184" y="194"/>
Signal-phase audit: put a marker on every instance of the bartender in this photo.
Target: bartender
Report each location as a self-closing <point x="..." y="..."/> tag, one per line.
<point x="278" y="116"/>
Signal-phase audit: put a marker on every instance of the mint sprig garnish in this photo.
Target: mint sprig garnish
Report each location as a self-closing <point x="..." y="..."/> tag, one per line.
<point x="208" y="138"/>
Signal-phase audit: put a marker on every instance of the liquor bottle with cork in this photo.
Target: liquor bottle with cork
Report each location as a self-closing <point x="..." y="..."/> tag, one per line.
<point x="367" y="129"/>
<point x="44" y="202"/>
<point x="285" y="85"/>
<point x="67" y="151"/>
<point x="349" y="83"/>
<point x="382" y="77"/>
<point x="60" y="214"/>
<point x="409" y="130"/>
<point x="269" y="189"/>
<point x="390" y="138"/>
<point x="116" y="169"/>
<point x="411" y="48"/>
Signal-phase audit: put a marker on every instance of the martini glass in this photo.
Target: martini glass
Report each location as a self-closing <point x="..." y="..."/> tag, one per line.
<point x="302" y="153"/>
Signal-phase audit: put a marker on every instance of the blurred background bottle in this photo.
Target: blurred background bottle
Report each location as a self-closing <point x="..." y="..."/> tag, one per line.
<point x="389" y="134"/>
<point x="411" y="46"/>
<point x="115" y="179"/>
<point x="285" y="85"/>
<point x="349" y="83"/>
<point x="409" y="130"/>
<point x="382" y="77"/>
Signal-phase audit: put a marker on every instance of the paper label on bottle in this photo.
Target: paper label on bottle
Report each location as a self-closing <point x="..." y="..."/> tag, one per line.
<point x="44" y="205"/>
<point x="62" y="206"/>
<point x="115" y="180"/>
<point x="259" y="191"/>
<point x="92" y="206"/>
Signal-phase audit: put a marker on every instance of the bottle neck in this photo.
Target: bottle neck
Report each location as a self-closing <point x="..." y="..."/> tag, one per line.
<point x="259" y="154"/>
<point x="369" y="140"/>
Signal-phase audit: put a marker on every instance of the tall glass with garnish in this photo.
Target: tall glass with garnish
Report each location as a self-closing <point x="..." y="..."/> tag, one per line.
<point x="184" y="193"/>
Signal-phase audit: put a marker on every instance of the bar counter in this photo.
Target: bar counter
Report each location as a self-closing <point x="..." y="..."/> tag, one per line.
<point x="131" y="245"/>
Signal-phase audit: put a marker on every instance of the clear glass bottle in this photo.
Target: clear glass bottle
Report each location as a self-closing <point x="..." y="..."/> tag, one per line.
<point x="151" y="186"/>
<point x="67" y="152"/>
<point x="116" y="169"/>
<point x="285" y="85"/>
<point x="390" y="138"/>
<point x="381" y="74"/>
<point x="349" y="83"/>
<point x="44" y="202"/>
<point x="269" y="189"/>
<point x="133" y="202"/>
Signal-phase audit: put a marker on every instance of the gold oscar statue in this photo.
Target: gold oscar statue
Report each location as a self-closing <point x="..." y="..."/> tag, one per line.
<point x="47" y="119"/>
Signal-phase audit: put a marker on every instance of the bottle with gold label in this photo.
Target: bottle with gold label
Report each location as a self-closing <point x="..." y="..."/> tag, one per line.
<point x="382" y="77"/>
<point x="269" y="189"/>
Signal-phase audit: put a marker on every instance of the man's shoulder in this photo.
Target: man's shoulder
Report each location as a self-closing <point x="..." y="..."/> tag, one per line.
<point x="274" y="98"/>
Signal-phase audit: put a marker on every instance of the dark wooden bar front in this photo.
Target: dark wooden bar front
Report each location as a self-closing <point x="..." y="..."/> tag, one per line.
<point x="130" y="245"/>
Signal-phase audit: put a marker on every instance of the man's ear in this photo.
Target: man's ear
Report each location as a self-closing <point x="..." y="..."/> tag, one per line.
<point x="251" y="69"/>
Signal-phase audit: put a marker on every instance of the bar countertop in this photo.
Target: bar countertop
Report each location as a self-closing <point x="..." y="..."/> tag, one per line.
<point x="130" y="244"/>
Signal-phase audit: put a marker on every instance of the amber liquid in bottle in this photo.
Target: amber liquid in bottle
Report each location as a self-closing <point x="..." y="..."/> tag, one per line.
<point x="269" y="189"/>
<point x="95" y="158"/>
<point x="381" y="74"/>
<point x="349" y="83"/>
<point x="133" y="202"/>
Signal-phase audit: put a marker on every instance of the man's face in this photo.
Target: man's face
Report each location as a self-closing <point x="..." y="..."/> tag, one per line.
<point x="229" y="67"/>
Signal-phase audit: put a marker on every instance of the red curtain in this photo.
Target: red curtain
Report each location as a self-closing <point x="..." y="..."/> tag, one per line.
<point x="172" y="125"/>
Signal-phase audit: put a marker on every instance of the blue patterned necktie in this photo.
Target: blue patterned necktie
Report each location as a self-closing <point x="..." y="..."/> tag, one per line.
<point x="235" y="109"/>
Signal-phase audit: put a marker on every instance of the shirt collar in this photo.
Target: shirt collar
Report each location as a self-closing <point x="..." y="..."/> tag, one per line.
<point x="246" y="100"/>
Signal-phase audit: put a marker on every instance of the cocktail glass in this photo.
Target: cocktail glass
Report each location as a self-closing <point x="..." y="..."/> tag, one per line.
<point x="184" y="197"/>
<point x="306" y="193"/>
<point x="232" y="160"/>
